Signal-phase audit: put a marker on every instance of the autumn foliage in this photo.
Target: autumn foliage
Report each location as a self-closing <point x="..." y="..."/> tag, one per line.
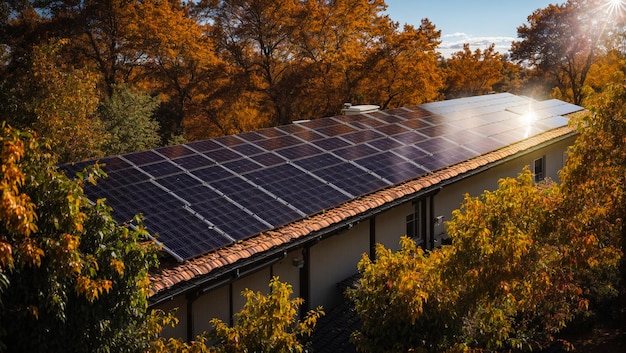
<point x="70" y="277"/>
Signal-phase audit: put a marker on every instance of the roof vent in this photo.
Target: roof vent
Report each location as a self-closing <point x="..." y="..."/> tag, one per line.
<point x="349" y="109"/>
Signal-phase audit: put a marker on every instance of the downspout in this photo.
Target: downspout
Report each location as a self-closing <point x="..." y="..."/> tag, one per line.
<point x="305" y="278"/>
<point x="372" y="238"/>
<point x="432" y="218"/>
<point x="191" y="298"/>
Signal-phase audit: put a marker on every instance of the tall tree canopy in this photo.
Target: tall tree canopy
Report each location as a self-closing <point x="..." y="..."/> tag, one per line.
<point x="220" y="67"/>
<point x="562" y="42"/>
<point x="473" y="73"/>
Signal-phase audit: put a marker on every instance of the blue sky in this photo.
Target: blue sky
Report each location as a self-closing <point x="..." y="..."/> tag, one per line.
<point x="478" y="22"/>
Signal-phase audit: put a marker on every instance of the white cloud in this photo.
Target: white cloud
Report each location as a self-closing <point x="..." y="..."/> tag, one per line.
<point x="452" y="43"/>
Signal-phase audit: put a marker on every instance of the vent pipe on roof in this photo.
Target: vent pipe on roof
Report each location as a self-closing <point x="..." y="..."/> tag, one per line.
<point x="349" y="109"/>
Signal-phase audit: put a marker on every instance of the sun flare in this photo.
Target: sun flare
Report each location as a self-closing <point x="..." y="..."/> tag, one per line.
<point x="615" y="6"/>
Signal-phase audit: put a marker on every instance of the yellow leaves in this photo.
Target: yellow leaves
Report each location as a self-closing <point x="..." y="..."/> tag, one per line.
<point x="91" y="289"/>
<point x="118" y="266"/>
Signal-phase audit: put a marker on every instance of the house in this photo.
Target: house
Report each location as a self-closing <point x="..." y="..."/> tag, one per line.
<point x="305" y="201"/>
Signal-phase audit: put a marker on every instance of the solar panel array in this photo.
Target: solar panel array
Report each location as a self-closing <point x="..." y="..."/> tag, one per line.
<point x="204" y="195"/>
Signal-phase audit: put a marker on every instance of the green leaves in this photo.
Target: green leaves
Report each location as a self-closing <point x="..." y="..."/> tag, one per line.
<point x="267" y="323"/>
<point x="73" y="279"/>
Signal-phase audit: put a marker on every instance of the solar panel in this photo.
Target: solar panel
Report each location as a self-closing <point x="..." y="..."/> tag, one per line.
<point x="204" y="195"/>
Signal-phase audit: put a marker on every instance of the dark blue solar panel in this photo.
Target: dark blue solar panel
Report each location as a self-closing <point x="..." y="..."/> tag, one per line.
<point x="389" y="118"/>
<point x="332" y="143"/>
<point x="319" y="123"/>
<point x="229" y="218"/>
<point x="439" y="130"/>
<point x="195" y="192"/>
<point x="352" y="179"/>
<point x="303" y="191"/>
<point x="410" y="152"/>
<point x="212" y="173"/>
<point x="369" y="122"/>
<point x="242" y="165"/>
<point x="392" y="129"/>
<point x="161" y="168"/>
<point x="415" y="113"/>
<point x="268" y="159"/>
<point x="415" y="124"/>
<point x="336" y="130"/>
<point x="193" y="162"/>
<point x="355" y="152"/>
<point x="125" y="177"/>
<point x="223" y="155"/>
<point x="278" y="142"/>
<point x="292" y="128"/>
<point x="309" y="135"/>
<point x="258" y="202"/>
<point x="205" y="145"/>
<point x="318" y="162"/>
<point x="299" y="151"/>
<point x="175" y="151"/>
<point x="251" y="136"/>
<point x="178" y="181"/>
<point x="247" y="149"/>
<point x="410" y="137"/>
<point x="230" y="140"/>
<point x="363" y="136"/>
<point x="271" y="132"/>
<point x="385" y="144"/>
<point x="144" y="157"/>
<point x="113" y="163"/>
<point x="431" y="163"/>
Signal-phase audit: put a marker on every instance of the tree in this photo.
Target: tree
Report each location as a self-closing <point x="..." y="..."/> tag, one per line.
<point x="509" y="280"/>
<point x="64" y="100"/>
<point x="562" y="42"/>
<point x="127" y="117"/>
<point x="72" y="279"/>
<point x="594" y="205"/>
<point x="473" y="73"/>
<point x="267" y="323"/>
<point x="403" y="69"/>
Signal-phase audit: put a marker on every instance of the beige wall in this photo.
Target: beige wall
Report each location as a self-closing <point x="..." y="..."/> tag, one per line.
<point x="179" y="304"/>
<point x="451" y="196"/>
<point x="289" y="273"/>
<point x="334" y="259"/>
<point x="391" y="225"/>
<point x="214" y="304"/>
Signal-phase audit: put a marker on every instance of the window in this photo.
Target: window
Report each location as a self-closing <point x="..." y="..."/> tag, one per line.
<point x="414" y="228"/>
<point x="539" y="169"/>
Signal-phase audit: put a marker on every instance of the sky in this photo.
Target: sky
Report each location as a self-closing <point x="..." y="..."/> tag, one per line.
<point x="478" y="22"/>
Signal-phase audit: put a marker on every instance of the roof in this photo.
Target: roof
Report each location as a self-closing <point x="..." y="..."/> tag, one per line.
<point x="215" y="203"/>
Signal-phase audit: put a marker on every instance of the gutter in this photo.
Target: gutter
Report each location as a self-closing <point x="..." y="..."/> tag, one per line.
<point x="231" y="272"/>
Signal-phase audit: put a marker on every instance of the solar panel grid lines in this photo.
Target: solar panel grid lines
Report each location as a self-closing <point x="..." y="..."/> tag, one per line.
<point x="239" y="185"/>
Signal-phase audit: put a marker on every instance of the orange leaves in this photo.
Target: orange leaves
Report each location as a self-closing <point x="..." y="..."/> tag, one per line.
<point x="118" y="266"/>
<point x="90" y="288"/>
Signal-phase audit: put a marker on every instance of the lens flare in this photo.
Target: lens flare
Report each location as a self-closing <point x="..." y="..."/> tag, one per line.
<point x="615" y="7"/>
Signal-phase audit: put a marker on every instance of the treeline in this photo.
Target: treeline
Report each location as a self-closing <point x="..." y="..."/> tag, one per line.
<point x="113" y="76"/>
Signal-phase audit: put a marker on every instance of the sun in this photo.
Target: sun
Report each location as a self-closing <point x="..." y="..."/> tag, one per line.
<point x="615" y="6"/>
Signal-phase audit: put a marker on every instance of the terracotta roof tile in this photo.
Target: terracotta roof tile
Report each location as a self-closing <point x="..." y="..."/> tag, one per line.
<point x="169" y="277"/>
